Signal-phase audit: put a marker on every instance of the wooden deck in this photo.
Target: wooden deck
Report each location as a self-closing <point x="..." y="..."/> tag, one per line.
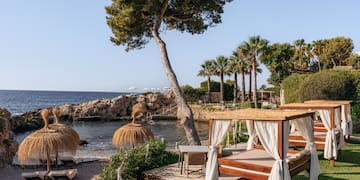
<point x="172" y="171"/>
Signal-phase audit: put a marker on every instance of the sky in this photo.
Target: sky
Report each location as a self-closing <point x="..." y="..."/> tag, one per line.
<point x="64" y="45"/>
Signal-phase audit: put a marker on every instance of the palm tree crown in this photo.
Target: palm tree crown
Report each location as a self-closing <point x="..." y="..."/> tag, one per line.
<point x="207" y="70"/>
<point x="253" y="48"/>
<point x="221" y="64"/>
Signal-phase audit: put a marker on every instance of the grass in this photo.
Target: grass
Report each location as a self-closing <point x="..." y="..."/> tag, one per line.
<point x="346" y="167"/>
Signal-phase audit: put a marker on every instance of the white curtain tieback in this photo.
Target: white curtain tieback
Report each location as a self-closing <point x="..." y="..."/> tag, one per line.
<point x="213" y="148"/>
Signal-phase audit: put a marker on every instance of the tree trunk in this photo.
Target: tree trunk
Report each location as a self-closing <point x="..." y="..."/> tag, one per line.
<point x="208" y="84"/>
<point x="184" y="112"/>
<point x="250" y="86"/>
<point x="242" y="86"/>
<point x="255" y="82"/>
<point x="221" y="87"/>
<point x="235" y="87"/>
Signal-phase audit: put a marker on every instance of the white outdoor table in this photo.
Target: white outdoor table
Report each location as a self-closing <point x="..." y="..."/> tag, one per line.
<point x="189" y="149"/>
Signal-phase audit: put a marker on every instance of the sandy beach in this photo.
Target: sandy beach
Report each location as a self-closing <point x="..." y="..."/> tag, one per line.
<point x="86" y="171"/>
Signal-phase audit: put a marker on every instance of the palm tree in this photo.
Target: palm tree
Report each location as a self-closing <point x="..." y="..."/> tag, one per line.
<point x="237" y="64"/>
<point x="221" y="63"/>
<point x="207" y="70"/>
<point x="317" y="50"/>
<point x="254" y="47"/>
<point x="235" y="68"/>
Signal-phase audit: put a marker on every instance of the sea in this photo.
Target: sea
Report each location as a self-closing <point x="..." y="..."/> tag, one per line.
<point x="98" y="134"/>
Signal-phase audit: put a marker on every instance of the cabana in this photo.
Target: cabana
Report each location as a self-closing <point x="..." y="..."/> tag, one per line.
<point x="332" y="140"/>
<point x="346" y="120"/>
<point x="273" y="160"/>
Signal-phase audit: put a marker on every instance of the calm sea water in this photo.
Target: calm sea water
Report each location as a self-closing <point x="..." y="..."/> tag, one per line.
<point x="18" y="102"/>
<point x="98" y="134"/>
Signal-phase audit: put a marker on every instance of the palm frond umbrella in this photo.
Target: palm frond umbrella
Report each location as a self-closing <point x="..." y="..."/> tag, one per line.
<point x="133" y="134"/>
<point x="45" y="142"/>
<point x="62" y="128"/>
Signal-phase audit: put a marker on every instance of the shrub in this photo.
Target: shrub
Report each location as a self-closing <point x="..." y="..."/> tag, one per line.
<point x="332" y="85"/>
<point x="292" y="86"/>
<point x="134" y="163"/>
<point x="245" y="105"/>
<point x="215" y="87"/>
<point x="191" y="94"/>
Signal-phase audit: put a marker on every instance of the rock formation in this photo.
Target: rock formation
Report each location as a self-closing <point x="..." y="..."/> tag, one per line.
<point x="100" y="109"/>
<point x="8" y="146"/>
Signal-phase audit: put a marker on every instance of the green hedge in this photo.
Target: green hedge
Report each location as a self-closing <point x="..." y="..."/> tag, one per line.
<point x="292" y="86"/>
<point x="215" y="87"/>
<point x="134" y="163"/>
<point x="330" y="84"/>
<point x="192" y="94"/>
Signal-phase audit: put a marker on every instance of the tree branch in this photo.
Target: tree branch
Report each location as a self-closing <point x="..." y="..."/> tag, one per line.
<point x="177" y="18"/>
<point x="161" y="16"/>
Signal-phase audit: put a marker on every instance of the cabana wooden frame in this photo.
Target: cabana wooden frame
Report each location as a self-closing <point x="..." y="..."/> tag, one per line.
<point x="256" y="171"/>
<point x="345" y="104"/>
<point x="314" y="106"/>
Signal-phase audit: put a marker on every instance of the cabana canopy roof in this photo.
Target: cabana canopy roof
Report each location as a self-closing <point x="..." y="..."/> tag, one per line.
<point x="309" y="106"/>
<point x="341" y="102"/>
<point x="259" y="114"/>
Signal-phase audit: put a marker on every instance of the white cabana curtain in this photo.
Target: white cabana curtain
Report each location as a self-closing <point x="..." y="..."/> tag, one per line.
<point x="338" y="126"/>
<point x="305" y="128"/>
<point x="252" y="134"/>
<point x="269" y="139"/>
<point x="219" y="130"/>
<point x="330" y="150"/>
<point x="346" y="121"/>
<point x="349" y="120"/>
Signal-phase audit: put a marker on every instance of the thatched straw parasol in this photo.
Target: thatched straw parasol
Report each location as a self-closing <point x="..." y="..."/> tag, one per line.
<point x="133" y="134"/>
<point x="45" y="142"/>
<point x="62" y="128"/>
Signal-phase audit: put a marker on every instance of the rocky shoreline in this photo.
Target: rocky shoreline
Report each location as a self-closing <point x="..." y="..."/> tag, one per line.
<point x="118" y="108"/>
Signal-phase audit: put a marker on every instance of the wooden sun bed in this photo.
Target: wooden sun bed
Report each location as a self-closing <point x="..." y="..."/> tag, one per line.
<point x="295" y="139"/>
<point x="315" y="106"/>
<point x="257" y="163"/>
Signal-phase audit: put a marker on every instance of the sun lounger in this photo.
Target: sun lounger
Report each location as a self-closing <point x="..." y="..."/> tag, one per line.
<point x="257" y="163"/>
<point x="34" y="175"/>
<point x="68" y="173"/>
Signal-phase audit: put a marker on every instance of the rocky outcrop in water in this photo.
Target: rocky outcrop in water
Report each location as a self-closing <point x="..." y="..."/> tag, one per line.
<point x="8" y="146"/>
<point x="101" y="109"/>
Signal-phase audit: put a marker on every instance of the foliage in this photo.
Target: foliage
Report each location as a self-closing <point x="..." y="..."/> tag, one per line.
<point x="332" y="85"/>
<point x="208" y="107"/>
<point x="192" y="94"/>
<point x="133" y="161"/>
<point x="276" y="89"/>
<point x="278" y="59"/>
<point x="132" y="22"/>
<point x="335" y="51"/>
<point x="353" y="60"/>
<point x="245" y="105"/>
<point x="292" y="86"/>
<point x="215" y="87"/>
